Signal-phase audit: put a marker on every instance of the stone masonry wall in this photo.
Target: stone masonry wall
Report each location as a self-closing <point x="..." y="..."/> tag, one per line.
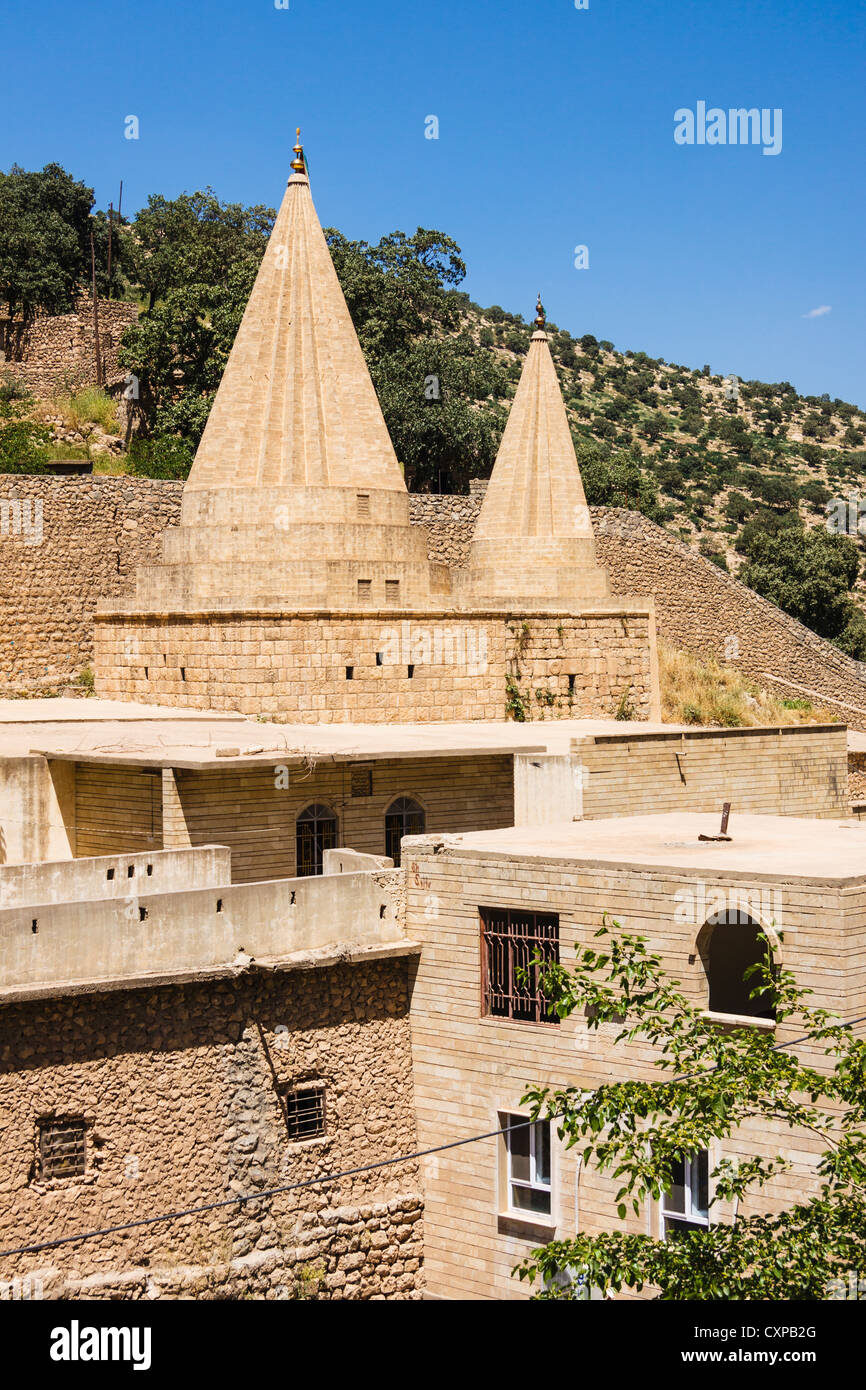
<point x="180" y="1090"/>
<point x="96" y="531"/>
<point x="337" y="669"/>
<point x="51" y="353"/>
<point x="64" y="543"/>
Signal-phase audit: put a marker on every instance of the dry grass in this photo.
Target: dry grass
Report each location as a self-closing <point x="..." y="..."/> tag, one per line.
<point x="90" y="406"/>
<point x="698" y="690"/>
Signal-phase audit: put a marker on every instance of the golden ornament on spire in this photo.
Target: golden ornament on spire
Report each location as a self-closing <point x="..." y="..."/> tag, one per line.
<point x="298" y="163"/>
<point x="540" y="318"/>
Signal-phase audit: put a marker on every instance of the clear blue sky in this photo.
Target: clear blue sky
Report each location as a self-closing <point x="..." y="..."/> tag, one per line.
<point x="556" y="129"/>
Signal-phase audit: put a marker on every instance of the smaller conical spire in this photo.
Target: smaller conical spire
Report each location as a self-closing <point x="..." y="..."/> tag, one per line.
<point x="299" y="164"/>
<point x="533" y="538"/>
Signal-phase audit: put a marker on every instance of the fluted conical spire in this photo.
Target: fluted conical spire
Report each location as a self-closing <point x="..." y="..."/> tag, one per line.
<point x="296" y="406"/>
<point x="534" y="535"/>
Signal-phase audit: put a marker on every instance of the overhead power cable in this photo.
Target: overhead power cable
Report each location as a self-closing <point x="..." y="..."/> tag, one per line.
<point x="336" y="1177"/>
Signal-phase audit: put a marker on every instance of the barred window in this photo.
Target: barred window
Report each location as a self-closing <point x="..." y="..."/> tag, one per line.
<point x="403" y="817"/>
<point x="315" y="831"/>
<point x="510" y="938"/>
<point x="62" y="1148"/>
<point x="305" y="1112"/>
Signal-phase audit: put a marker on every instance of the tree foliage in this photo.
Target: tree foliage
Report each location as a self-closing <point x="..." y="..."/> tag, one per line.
<point x="45" y="221"/>
<point x="711" y="1081"/>
<point x="809" y="574"/>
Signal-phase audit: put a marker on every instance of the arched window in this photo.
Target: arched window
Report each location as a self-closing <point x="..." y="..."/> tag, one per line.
<point x="730" y="944"/>
<point x="315" y="831"/>
<point x="403" y="817"/>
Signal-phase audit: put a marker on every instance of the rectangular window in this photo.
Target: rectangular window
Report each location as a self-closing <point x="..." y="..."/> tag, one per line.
<point x="305" y="1112"/>
<point x="527" y="1147"/>
<point x="510" y="938"/>
<point x="365" y="590"/>
<point x="392" y="591"/>
<point x="363" y="504"/>
<point x="62" y="1148"/>
<point x="687" y="1206"/>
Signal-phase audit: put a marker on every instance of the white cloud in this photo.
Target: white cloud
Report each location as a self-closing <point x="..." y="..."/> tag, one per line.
<point x="817" y="313"/>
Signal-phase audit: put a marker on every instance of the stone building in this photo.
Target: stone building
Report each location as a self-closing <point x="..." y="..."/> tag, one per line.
<point x="243" y="921"/>
<point x="480" y="1039"/>
<point x="295" y="586"/>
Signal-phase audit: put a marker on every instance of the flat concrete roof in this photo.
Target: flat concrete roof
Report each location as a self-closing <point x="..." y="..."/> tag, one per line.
<point x="760" y="847"/>
<point x="103" y="731"/>
<point x="115" y="732"/>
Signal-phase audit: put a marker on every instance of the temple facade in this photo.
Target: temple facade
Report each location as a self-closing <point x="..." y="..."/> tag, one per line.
<point x="295" y="587"/>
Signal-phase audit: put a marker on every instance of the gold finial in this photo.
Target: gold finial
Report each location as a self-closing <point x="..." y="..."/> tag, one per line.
<point x="298" y="163"/>
<point x="540" y="318"/>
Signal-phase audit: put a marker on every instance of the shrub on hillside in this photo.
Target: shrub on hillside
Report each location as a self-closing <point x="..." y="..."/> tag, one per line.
<point x="164" y="456"/>
<point x="24" y="447"/>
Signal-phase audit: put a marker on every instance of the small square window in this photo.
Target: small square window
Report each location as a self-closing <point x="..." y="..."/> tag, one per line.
<point x="305" y="1112"/>
<point x="62" y="1148"/>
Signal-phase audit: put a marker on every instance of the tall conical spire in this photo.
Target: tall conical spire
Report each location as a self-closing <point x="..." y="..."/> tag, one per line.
<point x="534" y="535"/>
<point x="296" y="406"/>
<point x="295" y="496"/>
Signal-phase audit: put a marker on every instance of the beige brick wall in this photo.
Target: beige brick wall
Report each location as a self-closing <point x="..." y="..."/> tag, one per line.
<point x="469" y="1068"/>
<point x="786" y="772"/>
<point x="294" y="667"/>
<point x="255" y="818"/>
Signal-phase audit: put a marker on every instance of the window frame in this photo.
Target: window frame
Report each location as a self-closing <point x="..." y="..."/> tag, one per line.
<point x="389" y="811"/>
<point x="56" y="1125"/>
<point x="527" y="1214"/>
<point x="294" y="1089"/>
<point x="487" y="917"/>
<point x="315" y="821"/>
<point x="692" y="1215"/>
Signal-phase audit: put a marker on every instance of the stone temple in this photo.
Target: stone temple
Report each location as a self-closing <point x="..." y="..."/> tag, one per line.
<point x="295" y="586"/>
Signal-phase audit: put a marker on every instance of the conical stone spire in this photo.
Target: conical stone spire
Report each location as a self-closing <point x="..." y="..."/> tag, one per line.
<point x="295" y="497"/>
<point x="296" y="406"/>
<point x="534" y="536"/>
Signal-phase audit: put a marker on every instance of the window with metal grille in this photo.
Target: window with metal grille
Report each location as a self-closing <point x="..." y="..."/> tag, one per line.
<point x="363" y="504"/>
<point x="305" y="1112"/>
<point x="362" y="781"/>
<point x="365" y="590"/>
<point x="403" y="817"/>
<point x="315" y="831"/>
<point x="392" y="591"/>
<point x="62" y="1148"/>
<point x="510" y="938"/>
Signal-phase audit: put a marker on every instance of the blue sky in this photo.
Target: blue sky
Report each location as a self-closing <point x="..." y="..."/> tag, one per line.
<point x="556" y="129"/>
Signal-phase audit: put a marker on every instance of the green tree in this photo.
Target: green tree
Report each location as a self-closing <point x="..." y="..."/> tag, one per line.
<point x="196" y="260"/>
<point x="439" y="398"/>
<point x="809" y="574"/>
<point x="45" y="221"/>
<point x="615" y="479"/>
<point x="710" y="1082"/>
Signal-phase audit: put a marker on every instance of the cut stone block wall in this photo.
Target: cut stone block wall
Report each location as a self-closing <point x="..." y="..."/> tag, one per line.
<point x="179" y="1089"/>
<point x="97" y="531"/>
<point x="296" y="667"/>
